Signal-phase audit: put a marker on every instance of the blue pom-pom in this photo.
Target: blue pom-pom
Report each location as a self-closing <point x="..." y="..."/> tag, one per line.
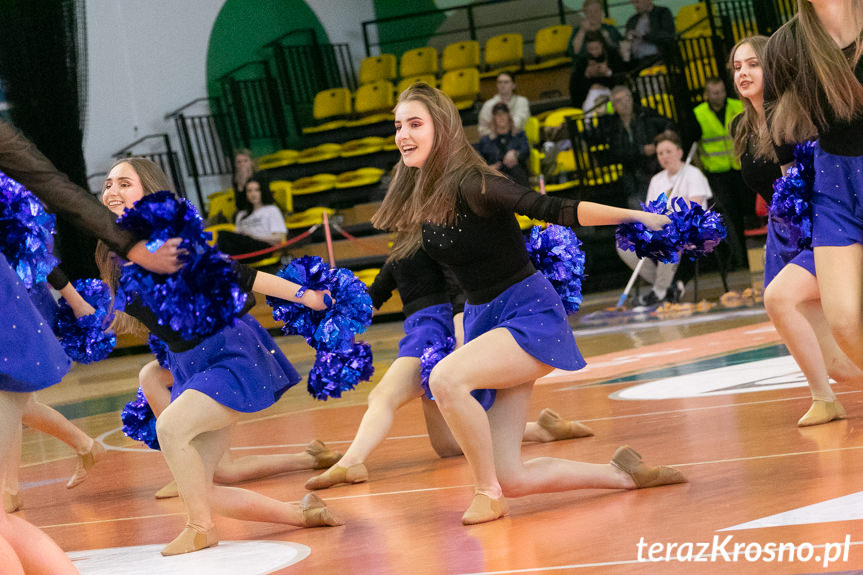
<point x="330" y="330"/>
<point x="87" y="339"/>
<point x="26" y="232"/>
<point x="660" y="245"/>
<point x="556" y="252"/>
<point x="139" y="422"/>
<point x="203" y="296"/>
<point x="335" y="372"/>
<point x="158" y="349"/>
<point x="699" y="230"/>
<point x="792" y="196"/>
<point x="432" y="354"/>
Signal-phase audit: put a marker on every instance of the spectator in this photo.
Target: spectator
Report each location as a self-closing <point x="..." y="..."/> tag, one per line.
<point x="595" y="73"/>
<point x="593" y="21"/>
<point x="693" y="187"/>
<point x="722" y="165"/>
<point x="257" y="228"/>
<point x="506" y="149"/>
<point x="519" y="107"/>
<point x="632" y="131"/>
<point x="649" y="34"/>
<point x="244" y="169"/>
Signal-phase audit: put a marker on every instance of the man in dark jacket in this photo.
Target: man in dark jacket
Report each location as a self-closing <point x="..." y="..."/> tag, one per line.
<point x="650" y="32"/>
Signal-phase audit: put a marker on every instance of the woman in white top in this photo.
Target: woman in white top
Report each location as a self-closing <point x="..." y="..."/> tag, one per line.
<point x="693" y="188"/>
<point x="260" y="227"/>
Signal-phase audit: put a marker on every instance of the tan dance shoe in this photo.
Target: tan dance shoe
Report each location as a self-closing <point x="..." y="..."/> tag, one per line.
<point x="83" y="464"/>
<point x="559" y="428"/>
<point x="11" y="502"/>
<point x="822" y="411"/>
<point x="317" y="514"/>
<point x="338" y="475"/>
<point x="324" y="457"/>
<point x="191" y="540"/>
<point x="484" y="509"/>
<point x="629" y="461"/>
<point x="169" y="491"/>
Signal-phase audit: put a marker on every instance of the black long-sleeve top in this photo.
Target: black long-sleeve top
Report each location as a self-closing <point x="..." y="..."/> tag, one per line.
<point x="21" y="161"/>
<point x="484" y="246"/>
<point x="419" y="279"/>
<point x="175" y="342"/>
<point x="758" y="173"/>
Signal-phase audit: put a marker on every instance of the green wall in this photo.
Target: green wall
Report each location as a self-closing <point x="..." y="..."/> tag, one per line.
<point x="417" y="35"/>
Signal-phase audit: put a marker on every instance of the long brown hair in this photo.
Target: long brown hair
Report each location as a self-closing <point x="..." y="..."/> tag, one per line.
<point x="153" y="180"/>
<point x="751" y="127"/>
<point x="417" y="195"/>
<point x="807" y="74"/>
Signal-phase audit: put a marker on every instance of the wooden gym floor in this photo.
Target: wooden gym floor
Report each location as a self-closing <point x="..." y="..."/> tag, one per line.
<point x="715" y="394"/>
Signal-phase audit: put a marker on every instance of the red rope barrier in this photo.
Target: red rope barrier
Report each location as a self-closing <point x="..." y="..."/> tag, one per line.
<point x="293" y="240"/>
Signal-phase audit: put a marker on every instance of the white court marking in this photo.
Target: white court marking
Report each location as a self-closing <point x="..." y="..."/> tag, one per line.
<point x="846" y="508"/>
<point x="227" y="558"/>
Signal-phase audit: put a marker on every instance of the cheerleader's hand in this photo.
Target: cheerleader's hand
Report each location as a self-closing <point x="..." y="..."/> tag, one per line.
<point x="653" y="221"/>
<point x="317" y="300"/>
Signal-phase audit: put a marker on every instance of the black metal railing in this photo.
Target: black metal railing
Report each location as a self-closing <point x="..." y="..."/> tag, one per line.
<point x="157" y="148"/>
<point x="252" y="105"/>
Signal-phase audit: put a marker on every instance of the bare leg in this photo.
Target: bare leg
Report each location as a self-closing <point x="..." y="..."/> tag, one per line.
<point x="48" y="420"/>
<point x="840" y="279"/>
<point x="9" y="563"/>
<point x="440" y="436"/>
<point x="155" y="382"/>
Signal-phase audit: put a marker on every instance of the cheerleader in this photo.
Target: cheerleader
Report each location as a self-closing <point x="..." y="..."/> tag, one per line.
<point x="237" y="369"/>
<point x="515" y="326"/>
<point x="427" y="306"/>
<point x="813" y="88"/>
<point x="791" y="294"/>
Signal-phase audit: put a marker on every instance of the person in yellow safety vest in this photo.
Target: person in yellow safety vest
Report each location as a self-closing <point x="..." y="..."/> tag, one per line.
<point x="721" y="165"/>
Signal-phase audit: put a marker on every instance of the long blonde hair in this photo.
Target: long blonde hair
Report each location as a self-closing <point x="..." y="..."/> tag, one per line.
<point x="751" y="127"/>
<point x="807" y="74"/>
<point x="153" y="179"/>
<point x="417" y="195"/>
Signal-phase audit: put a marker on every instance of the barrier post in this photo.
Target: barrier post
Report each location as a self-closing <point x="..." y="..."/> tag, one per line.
<point x="329" y="238"/>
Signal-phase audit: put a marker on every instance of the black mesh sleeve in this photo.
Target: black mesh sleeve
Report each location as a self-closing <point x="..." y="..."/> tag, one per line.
<point x="21" y="161"/>
<point x="57" y="279"/>
<point x="504" y="194"/>
<point x="382" y="288"/>
<point x="245" y="276"/>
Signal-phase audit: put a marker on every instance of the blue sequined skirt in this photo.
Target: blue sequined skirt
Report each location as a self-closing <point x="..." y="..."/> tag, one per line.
<point x="240" y="367"/>
<point x="31" y="358"/>
<point x="532" y="312"/>
<point x="425" y="326"/>
<point x="837" y="209"/>
<point x="781" y="250"/>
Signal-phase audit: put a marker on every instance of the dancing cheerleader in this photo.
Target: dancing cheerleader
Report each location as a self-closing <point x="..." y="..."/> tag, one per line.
<point x="791" y="294"/>
<point x="515" y="326"/>
<point x="429" y="323"/>
<point x="31" y="358"/>
<point x="813" y="88"/>
<point x="237" y="369"/>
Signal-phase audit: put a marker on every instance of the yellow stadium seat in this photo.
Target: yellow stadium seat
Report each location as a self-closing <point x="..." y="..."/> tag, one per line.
<point x="662" y="103"/>
<point x="278" y="159"/>
<point x="531" y="130"/>
<point x="406" y="83"/>
<point x="462" y="86"/>
<point x="307" y="218"/>
<point x="376" y="68"/>
<point x="503" y="53"/>
<point x="418" y="61"/>
<point x="525" y="223"/>
<point x="330" y="107"/>
<point x="558" y="117"/>
<point x="550" y="47"/>
<point x="691" y="21"/>
<point x="373" y="103"/>
<point x="534" y="162"/>
<point x="282" y="195"/>
<point x="367" y="276"/>
<point x="319" y="153"/>
<point x="357" y="178"/>
<point x="460" y="55"/>
<point x="214" y="230"/>
<point x="224" y="204"/>
<point x="313" y="184"/>
<point x="363" y="146"/>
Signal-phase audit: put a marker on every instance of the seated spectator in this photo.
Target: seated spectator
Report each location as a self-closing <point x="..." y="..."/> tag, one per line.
<point x="244" y="168"/>
<point x="595" y="74"/>
<point x="632" y="131"/>
<point x="519" y="107"/>
<point x="506" y="149"/>
<point x="693" y="187"/>
<point x="260" y="226"/>
<point x="649" y="34"/>
<point x="593" y="21"/>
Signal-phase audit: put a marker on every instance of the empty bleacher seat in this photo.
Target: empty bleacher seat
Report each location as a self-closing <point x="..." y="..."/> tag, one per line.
<point x="376" y="68"/>
<point x="223" y="203"/>
<point x="418" y="61"/>
<point x="503" y="53"/>
<point x="362" y="146"/>
<point x="406" y="83"/>
<point x="282" y="195"/>
<point x="331" y="108"/>
<point x="373" y="103"/>
<point x="319" y="153"/>
<point x="460" y="55"/>
<point x="278" y="159"/>
<point x="550" y="47"/>
<point x="462" y="86"/>
<point x="691" y="21"/>
<point x="313" y="184"/>
<point x="357" y="178"/>
<point x="307" y="218"/>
